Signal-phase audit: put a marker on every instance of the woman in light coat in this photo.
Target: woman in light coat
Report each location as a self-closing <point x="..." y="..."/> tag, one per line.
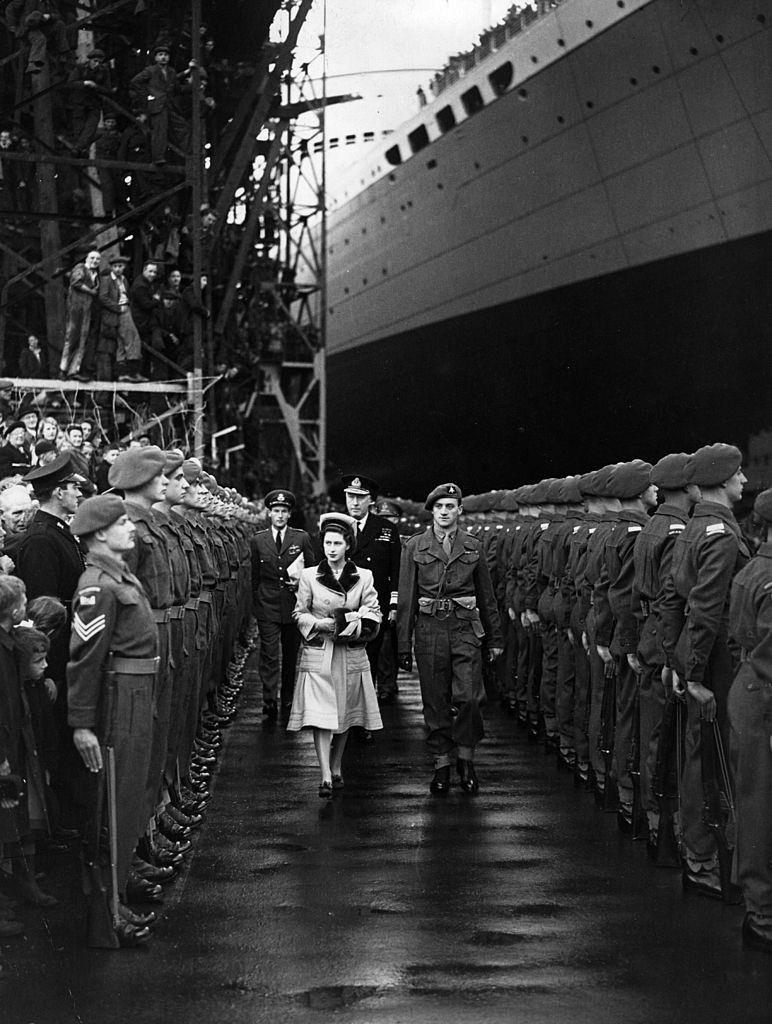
<point x="337" y="613"/>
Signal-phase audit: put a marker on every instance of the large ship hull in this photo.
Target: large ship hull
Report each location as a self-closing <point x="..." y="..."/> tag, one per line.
<point x="578" y="272"/>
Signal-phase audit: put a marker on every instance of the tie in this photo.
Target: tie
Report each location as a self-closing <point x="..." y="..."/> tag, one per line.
<point x="278" y="540"/>
<point x="447" y="546"/>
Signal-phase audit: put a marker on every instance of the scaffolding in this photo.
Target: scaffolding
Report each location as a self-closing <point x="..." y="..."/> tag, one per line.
<point x="249" y="177"/>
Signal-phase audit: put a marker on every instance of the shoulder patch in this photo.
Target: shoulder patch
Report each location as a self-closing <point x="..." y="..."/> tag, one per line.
<point x="634" y="529"/>
<point x="544" y="526"/>
<point x="576" y="529"/>
<point x="714" y="528"/>
<point x="593" y="529"/>
<point x="86" y="599"/>
<point x="677" y="527"/>
<point x="768" y="585"/>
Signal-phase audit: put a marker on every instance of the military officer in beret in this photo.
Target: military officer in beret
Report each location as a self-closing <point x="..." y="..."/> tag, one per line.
<point x="750" y="715"/>
<point x="446" y="601"/>
<point x="378" y="549"/>
<point x="278" y="556"/>
<point x="111" y="675"/>
<point x="706" y="557"/>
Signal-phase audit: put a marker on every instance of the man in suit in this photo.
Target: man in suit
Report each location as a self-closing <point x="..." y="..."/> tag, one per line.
<point x="155" y="92"/>
<point x="278" y="555"/>
<point x="378" y="549"/>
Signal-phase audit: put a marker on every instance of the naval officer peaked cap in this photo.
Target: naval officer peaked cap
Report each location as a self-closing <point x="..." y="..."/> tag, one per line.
<point x="670" y="472"/>
<point x="97" y="514"/>
<point x="280" y="497"/>
<point x="387" y="507"/>
<point x="60" y="470"/>
<point x="356" y="484"/>
<point x="136" y="467"/>
<point x="442" y="491"/>
<point x="714" y="464"/>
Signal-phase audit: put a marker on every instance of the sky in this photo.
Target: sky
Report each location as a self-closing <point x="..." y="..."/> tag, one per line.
<point x="365" y="37"/>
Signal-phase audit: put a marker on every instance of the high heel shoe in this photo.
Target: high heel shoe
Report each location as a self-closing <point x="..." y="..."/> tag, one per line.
<point x="325" y="791"/>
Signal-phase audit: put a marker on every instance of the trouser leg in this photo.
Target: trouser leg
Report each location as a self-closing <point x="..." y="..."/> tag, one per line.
<point x="581" y="712"/>
<point x="269" y="659"/>
<point x="652" y="707"/>
<point x="627" y="685"/>
<point x="564" y="705"/>
<point x="432" y="653"/>
<point x="549" y="677"/>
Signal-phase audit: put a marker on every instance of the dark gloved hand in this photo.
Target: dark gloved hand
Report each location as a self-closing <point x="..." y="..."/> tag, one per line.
<point x="405" y="662"/>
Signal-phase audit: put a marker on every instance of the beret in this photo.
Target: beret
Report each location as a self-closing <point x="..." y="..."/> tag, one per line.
<point x="601" y="482"/>
<point x="41" y="447"/>
<point x="279" y="497"/>
<point x="539" y="492"/>
<point x="136" y="467"/>
<point x="173" y="459"/>
<point x="347" y="525"/>
<point x="524" y="494"/>
<point x="586" y="484"/>
<point x="670" y="472"/>
<point x="60" y="470"/>
<point x="713" y="464"/>
<point x="356" y="484"/>
<point x="569" y="491"/>
<point x="762" y="506"/>
<point x="387" y="507"/>
<point x="509" y="502"/>
<point x="629" y="479"/>
<point x="443" y="491"/>
<point x="97" y="514"/>
<point x="192" y="470"/>
<point x="554" y="491"/>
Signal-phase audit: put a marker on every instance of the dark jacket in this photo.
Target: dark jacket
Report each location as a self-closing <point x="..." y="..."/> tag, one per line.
<point x="379" y="549"/>
<point x="13" y="461"/>
<point x="273" y="591"/>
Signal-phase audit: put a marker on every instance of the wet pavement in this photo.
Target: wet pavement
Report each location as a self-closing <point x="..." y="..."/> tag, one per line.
<point x="387" y="905"/>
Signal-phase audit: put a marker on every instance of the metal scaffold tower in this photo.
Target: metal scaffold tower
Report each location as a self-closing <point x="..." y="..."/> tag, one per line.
<point x="258" y="362"/>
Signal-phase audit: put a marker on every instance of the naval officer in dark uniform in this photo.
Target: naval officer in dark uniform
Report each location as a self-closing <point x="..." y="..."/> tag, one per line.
<point x="278" y="556"/>
<point x="378" y="549"/>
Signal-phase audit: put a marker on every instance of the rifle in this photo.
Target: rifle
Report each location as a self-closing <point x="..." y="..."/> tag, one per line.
<point x="101" y="934"/>
<point x="666" y="783"/>
<point x="112" y="828"/>
<point x="718" y="811"/>
<point x="608" y="714"/>
<point x="640" y="827"/>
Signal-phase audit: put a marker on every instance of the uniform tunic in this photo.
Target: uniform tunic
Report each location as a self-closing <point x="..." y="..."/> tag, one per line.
<point x="378" y="550"/>
<point x="750" y="714"/>
<point x="274" y="602"/>
<point x="112" y="617"/>
<point x="448" y="638"/>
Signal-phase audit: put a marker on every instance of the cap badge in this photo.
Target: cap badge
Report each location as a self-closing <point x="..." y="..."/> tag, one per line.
<point x="279" y="497"/>
<point x="451" y="489"/>
<point x="356" y="482"/>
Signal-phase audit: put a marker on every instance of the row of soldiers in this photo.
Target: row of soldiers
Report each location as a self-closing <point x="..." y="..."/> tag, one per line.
<point x="159" y="631"/>
<point x="637" y="647"/>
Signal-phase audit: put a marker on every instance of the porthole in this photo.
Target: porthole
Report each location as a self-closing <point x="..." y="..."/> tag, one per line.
<point x="656" y="69"/>
<point x="633" y="81"/>
<point x="534" y="59"/>
<point x="561" y="42"/>
<point x="440" y="186"/>
<point x="589" y="23"/>
<point x="524" y="139"/>
<point x="523" y="94"/>
<point x="590" y="104"/>
<point x="561" y="119"/>
<point x="693" y="51"/>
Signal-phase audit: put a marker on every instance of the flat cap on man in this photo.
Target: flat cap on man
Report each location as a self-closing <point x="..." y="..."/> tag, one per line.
<point x="629" y="479"/>
<point x="354" y="483"/>
<point x="136" y="467"/>
<point x="97" y="514"/>
<point x="714" y="464"/>
<point x="762" y="506"/>
<point x="280" y="497"/>
<point x="118" y="258"/>
<point x="670" y="472"/>
<point x="442" y="491"/>
<point x="60" y="470"/>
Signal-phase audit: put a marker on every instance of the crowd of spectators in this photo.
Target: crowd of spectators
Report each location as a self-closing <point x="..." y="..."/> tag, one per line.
<point x="121" y="90"/>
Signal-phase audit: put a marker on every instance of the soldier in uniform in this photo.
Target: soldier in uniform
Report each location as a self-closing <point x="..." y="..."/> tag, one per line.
<point x="111" y="674"/>
<point x="750" y="714"/>
<point x="378" y="549"/>
<point x="278" y="556"/>
<point x="446" y="600"/>
<point x="706" y="556"/>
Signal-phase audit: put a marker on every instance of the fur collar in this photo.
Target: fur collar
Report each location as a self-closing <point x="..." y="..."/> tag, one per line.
<point x="348" y="578"/>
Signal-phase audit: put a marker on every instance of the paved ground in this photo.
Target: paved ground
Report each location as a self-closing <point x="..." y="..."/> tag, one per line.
<point x="387" y="905"/>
